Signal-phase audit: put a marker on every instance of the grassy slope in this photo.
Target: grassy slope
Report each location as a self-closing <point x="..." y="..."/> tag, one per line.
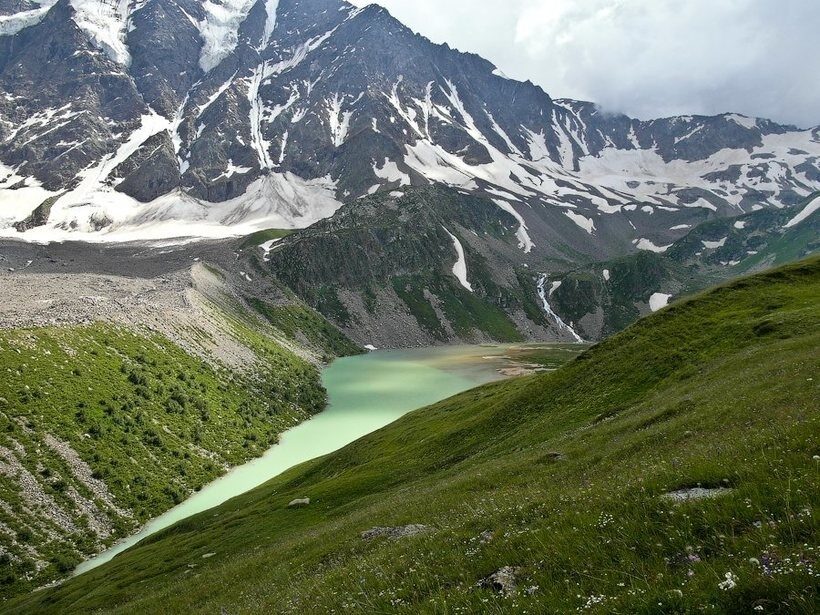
<point x="302" y="325"/>
<point x="151" y="421"/>
<point x="566" y="470"/>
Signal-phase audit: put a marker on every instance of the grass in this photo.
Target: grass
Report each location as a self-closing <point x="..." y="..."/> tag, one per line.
<point x="301" y="324"/>
<point x="258" y="238"/>
<point x="558" y="475"/>
<point x="152" y="422"/>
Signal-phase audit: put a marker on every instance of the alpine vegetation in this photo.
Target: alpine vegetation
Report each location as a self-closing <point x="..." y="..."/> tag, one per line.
<point x="302" y="312"/>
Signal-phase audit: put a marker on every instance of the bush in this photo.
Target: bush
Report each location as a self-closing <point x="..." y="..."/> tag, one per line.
<point x="65" y="563"/>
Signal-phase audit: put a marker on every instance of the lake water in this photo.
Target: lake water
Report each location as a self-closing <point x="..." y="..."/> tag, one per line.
<point x="365" y="393"/>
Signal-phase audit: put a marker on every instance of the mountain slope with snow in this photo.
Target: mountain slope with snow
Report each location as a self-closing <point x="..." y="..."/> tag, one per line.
<point x="220" y="112"/>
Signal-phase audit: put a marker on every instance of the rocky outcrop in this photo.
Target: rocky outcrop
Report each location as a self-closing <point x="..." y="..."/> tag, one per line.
<point x="426" y="266"/>
<point x="503" y="581"/>
<point x="150" y="172"/>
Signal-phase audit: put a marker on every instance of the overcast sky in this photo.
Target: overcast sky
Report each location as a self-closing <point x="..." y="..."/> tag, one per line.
<point x="646" y="58"/>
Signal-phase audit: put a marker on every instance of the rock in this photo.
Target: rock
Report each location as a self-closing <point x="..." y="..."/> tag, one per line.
<point x="486" y="537"/>
<point x="395" y="533"/>
<point x="502" y="581"/>
<point x="39" y="216"/>
<point x="696" y="493"/>
<point x="300" y="503"/>
<point x="150" y="172"/>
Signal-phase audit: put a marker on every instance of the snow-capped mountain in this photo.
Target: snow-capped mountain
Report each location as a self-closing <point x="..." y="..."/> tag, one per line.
<point x="140" y="118"/>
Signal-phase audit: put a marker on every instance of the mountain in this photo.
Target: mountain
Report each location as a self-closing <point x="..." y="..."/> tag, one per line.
<point x="670" y="469"/>
<point x="431" y="265"/>
<point x="600" y="299"/>
<point x="147" y="118"/>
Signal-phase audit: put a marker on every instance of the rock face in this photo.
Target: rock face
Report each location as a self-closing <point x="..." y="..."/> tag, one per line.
<point x="273" y="113"/>
<point x="425" y="266"/>
<point x="150" y="172"/>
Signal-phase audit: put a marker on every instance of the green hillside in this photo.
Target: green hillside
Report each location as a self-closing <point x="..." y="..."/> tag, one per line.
<point x="103" y="428"/>
<point x="559" y="482"/>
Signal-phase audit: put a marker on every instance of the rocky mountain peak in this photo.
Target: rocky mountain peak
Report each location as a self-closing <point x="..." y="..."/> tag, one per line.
<point x="210" y="116"/>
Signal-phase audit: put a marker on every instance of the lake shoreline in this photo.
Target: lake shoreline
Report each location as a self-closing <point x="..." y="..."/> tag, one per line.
<point x="365" y="393"/>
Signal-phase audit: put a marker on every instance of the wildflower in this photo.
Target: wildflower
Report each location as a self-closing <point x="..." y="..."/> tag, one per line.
<point x="729" y="583"/>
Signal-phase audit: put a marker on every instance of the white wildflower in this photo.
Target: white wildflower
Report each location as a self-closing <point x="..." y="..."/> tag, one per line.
<point x="729" y="583"/>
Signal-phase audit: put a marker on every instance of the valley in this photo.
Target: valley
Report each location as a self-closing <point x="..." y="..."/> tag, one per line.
<point x="510" y="497"/>
<point x="365" y="393"/>
<point x="304" y="312"/>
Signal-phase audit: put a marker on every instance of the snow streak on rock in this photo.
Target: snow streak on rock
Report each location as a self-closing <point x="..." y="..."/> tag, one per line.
<point x="542" y="292"/>
<point x="460" y="268"/>
<point x="805" y="213"/>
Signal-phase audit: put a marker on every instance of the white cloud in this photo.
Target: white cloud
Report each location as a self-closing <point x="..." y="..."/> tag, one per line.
<point x="647" y="58"/>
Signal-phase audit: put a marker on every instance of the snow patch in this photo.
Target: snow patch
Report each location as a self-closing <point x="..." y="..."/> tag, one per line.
<point x="267" y="248"/>
<point x="658" y="301"/>
<point x="645" y="244"/>
<point x="585" y="223"/>
<point x="17" y="204"/>
<point x="390" y="172"/>
<point x="749" y="123"/>
<point x="258" y="141"/>
<point x="714" y="245"/>
<point x="803" y="215"/>
<point x="338" y="120"/>
<point x="232" y="170"/>
<point x="271" y="6"/>
<point x="460" y="268"/>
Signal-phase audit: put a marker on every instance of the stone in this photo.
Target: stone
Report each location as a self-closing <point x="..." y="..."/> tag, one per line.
<point x="299" y="503"/>
<point x="696" y="493"/>
<point x="395" y="533"/>
<point x="502" y="581"/>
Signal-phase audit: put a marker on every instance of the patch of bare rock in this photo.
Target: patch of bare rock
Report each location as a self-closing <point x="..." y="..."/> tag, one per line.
<point x="396" y="533"/>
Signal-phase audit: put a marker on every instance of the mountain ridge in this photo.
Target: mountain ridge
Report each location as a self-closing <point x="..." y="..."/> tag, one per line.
<point x="330" y="102"/>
